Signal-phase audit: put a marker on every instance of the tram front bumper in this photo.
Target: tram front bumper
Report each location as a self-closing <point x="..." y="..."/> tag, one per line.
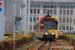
<point x="48" y="36"/>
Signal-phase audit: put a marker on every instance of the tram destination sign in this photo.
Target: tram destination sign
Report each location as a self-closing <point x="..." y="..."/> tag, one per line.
<point x="49" y="19"/>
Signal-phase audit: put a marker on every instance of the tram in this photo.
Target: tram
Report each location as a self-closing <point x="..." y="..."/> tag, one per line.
<point x="47" y="27"/>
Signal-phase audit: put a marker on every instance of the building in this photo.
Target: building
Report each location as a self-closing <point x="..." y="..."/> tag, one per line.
<point x="9" y="12"/>
<point x="63" y="9"/>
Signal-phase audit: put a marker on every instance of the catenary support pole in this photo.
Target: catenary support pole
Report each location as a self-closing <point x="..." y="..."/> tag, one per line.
<point x="20" y="21"/>
<point x="14" y="25"/>
<point x="28" y="15"/>
<point x="25" y="32"/>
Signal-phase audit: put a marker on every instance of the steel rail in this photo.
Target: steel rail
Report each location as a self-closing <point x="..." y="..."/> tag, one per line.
<point x="41" y="45"/>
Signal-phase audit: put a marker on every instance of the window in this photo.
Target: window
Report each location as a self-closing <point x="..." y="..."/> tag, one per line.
<point x="42" y="27"/>
<point x="67" y="11"/>
<point x="71" y="6"/>
<point x="51" y="6"/>
<point x="30" y="27"/>
<point x="54" y="6"/>
<point x="44" y="6"/>
<point x="67" y="27"/>
<point x="30" y="19"/>
<point x="44" y="11"/>
<point x="67" y="7"/>
<point x="62" y="3"/>
<point x="34" y="27"/>
<point x="65" y="3"/>
<point x="37" y="18"/>
<point x="68" y="3"/>
<point x="38" y="11"/>
<point x="47" y="11"/>
<point x="63" y="20"/>
<point x="54" y="11"/>
<point x="60" y="6"/>
<point x="46" y="3"/>
<point x="34" y="19"/>
<point x="67" y="20"/>
<point x="63" y="11"/>
<point x="60" y="11"/>
<point x="70" y="20"/>
<point x="38" y="6"/>
<point x="31" y="11"/>
<point x="34" y="5"/>
<point x="34" y="11"/>
<point x="64" y="6"/>
<point x="31" y="5"/>
<point x="71" y="3"/>
<point x="71" y="11"/>
<point x="27" y="10"/>
<point x="27" y="19"/>
<point x="47" y="6"/>
<point x="51" y="11"/>
<point x="60" y="20"/>
<point x="74" y="20"/>
<point x="52" y="3"/>
<point x="74" y="4"/>
<point x="59" y="27"/>
<point x="63" y="27"/>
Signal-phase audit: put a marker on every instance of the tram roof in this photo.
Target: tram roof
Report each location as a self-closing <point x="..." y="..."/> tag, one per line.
<point x="43" y="17"/>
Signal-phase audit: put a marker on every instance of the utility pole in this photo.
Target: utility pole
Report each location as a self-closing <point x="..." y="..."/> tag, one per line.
<point x="28" y="15"/>
<point x="14" y="25"/>
<point x="25" y="32"/>
<point x="20" y="21"/>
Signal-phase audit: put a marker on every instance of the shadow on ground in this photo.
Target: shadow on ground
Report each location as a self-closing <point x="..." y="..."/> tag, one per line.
<point x="42" y="39"/>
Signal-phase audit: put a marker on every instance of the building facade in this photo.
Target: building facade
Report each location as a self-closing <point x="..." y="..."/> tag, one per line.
<point x="63" y="9"/>
<point x="9" y="12"/>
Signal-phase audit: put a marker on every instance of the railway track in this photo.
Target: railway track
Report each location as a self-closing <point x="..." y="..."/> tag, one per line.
<point x="46" y="46"/>
<point x="34" y="47"/>
<point x="52" y="45"/>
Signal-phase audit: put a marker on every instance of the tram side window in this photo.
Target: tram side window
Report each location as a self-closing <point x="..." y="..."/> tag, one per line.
<point x="41" y="22"/>
<point x="42" y="27"/>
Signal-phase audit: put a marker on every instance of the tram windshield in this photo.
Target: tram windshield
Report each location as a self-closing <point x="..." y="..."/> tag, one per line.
<point x="50" y="24"/>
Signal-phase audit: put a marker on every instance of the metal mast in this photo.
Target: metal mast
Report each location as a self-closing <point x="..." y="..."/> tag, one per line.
<point x="25" y="32"/>
<point x="28" y="15"/>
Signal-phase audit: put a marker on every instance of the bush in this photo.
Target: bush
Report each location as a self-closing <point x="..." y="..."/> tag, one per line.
<point x="8" y="43"/>
<point x="68" y="37"/>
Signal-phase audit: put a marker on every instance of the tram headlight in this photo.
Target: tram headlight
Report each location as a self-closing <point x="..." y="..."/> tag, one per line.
<point x="52" y="33"/>
<point x="46" y="33"/>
